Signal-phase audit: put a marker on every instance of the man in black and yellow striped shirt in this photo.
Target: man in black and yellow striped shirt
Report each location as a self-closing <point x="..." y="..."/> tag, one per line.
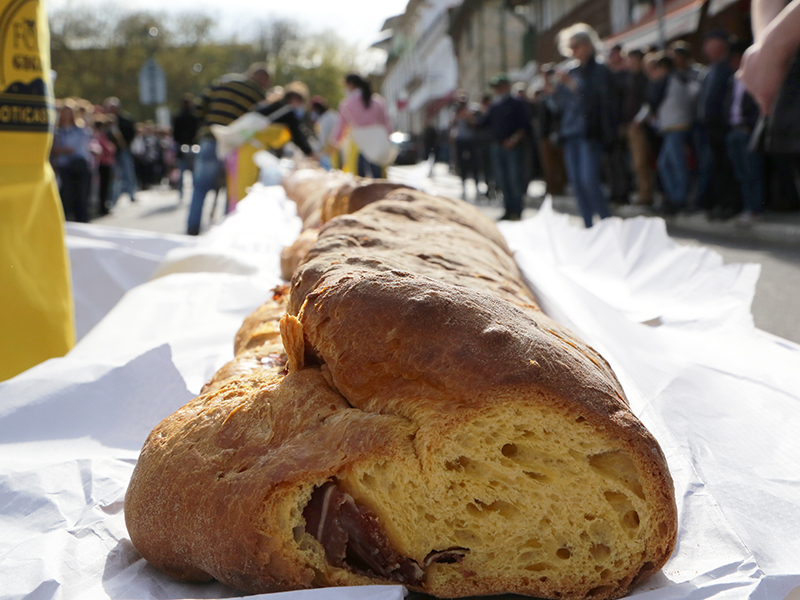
<point x="224" y="101"/>
<point x="229" y="97"/>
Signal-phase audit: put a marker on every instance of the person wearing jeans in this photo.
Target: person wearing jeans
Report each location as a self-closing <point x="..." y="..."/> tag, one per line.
<point x="673" y="168"/>
<point x="583" y="158"/>
<point x="122" y="131"/>
<point x="748" y="167"/>
<point x="224" y="101"/>
<point x="584" y="98"/>
<point x="368" y="169"/>
<point x="207" y="168"/>
<point x="184" y="131"/>
<point x="670" y="99"/>
<point x="361" y="109"/>
<point x="71" y="154"/>
<point x="507" y="119"/>
<point x="507" y="169"/>
<point x="124" y="175"/>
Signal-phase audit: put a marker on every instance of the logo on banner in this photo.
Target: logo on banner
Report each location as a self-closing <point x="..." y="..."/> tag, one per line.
<point x="24" y="102"/>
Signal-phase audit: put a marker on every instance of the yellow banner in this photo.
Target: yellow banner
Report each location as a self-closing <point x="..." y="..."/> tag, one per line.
<point x="36" y="313"/>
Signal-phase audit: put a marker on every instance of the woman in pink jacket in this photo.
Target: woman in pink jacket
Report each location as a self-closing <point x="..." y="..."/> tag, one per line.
<point x="362" y="109"/>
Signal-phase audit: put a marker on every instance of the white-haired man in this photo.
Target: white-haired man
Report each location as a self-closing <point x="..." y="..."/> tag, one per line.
<point x="585" y="99"/>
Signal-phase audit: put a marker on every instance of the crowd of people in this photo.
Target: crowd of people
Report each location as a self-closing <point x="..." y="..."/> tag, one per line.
<point x="99" y="153"/>
<point x="646" y="127"/>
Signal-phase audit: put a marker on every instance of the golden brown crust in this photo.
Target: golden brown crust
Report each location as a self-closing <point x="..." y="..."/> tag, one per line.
<point x="428" y="386"/>
<point x="309" y="188"/>
<point x="320" y="197"/>
<point x="355" y="195"/>
<point x="257" y="347"/>
<point x="292" y="256"/>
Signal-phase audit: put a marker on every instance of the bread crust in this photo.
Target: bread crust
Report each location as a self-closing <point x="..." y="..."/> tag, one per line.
<point x="422" y="381"/>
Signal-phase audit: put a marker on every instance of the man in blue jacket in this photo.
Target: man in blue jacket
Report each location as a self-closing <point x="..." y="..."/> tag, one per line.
<point x="507" y="119"/>
<point x="585" y="98"/>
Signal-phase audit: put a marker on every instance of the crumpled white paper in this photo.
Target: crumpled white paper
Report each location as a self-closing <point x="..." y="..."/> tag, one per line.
<point x="720" y="396"/>
<point x="107" y="262"/>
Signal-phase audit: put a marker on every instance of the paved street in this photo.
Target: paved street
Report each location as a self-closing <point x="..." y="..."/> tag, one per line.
<point x="774" y="308"/>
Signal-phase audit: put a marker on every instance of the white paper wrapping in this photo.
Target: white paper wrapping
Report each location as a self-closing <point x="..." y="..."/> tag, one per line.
<point x="721" y="397"/>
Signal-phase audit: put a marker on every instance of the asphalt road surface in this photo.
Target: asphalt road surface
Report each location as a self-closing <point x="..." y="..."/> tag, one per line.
<point x="776" y="306"/>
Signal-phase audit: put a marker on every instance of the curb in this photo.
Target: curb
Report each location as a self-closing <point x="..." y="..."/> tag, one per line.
<point x="764" y="232"/>
<point x="774" y="228"/>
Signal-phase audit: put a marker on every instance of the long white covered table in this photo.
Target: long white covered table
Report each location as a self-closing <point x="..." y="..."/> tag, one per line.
<point x="157" y="315"/>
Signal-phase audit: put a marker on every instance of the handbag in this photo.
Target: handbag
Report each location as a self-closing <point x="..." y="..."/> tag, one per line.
<point x="374" y="144"/>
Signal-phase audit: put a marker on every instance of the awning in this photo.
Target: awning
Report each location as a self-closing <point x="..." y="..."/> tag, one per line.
<point x="681" y="17"/>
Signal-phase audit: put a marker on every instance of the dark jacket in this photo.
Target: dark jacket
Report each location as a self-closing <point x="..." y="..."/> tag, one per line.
<point x="712" y="95"/>
<point x="548" y="120"/>
<point x="505" y="117"/>
<point x="288" y="118"/>
<point x="782" y="132"/>
<point x="750" y="111"/>
<point x="600" y="99"/>
<point x="184" y="128"/>
<point x="127" y="129"/>
<point x="634" y="95"/>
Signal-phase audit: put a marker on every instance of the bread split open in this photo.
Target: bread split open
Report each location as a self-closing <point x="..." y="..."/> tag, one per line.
<point x="404" y="413"/>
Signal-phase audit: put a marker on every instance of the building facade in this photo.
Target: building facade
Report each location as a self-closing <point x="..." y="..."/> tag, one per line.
<point x="636" y="23"/>
<point x="516" y="36"/>
<point x="489" y="37"/>
<point x="421" y="69"/>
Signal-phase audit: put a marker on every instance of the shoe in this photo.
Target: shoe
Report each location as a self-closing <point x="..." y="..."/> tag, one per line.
<point x="193" y="231"/>
<point x="511" y="217"/>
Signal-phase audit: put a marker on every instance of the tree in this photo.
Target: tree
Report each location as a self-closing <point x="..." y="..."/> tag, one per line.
<point x="97" y="54"/>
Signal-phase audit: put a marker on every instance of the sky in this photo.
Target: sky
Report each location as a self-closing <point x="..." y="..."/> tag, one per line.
<point x="356" y="21"/>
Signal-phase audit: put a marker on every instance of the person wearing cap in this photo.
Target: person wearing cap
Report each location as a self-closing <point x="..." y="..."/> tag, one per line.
<point x="585" y="96"/>
<point x="723" y="195"/>
<point x="507" y="119"/>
